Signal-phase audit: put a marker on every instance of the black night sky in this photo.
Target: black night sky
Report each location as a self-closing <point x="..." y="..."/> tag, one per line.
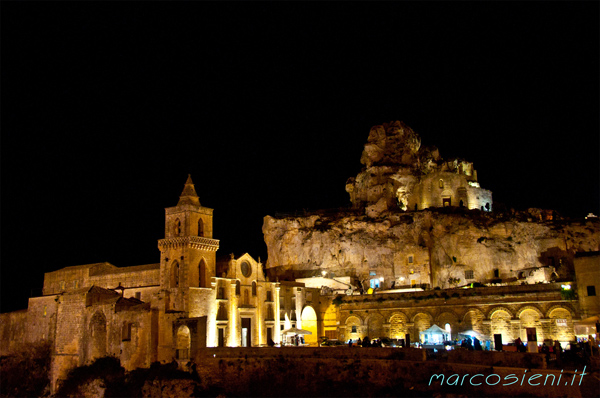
<point x="106" y="107"/>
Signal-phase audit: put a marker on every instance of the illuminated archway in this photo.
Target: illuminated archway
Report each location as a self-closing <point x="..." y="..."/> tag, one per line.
<point x="398" y="328"/>
<point x="500" y="324"/>
<point x="183" y="342"/>
<point x="309" y="322"/>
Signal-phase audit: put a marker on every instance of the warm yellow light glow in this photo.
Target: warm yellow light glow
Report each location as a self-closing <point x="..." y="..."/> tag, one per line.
<point x="287" y="324"/>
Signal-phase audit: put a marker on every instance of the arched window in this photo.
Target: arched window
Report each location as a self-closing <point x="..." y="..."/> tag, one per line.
<point x="254" y="288"/>
<point x="202" y="274"/>
<point x="175" y="274"/>
<point x="237" y="288"/>
<point x="200" y="227"/>
<point x="177" y="227"/>
<point x="441" y="183"/>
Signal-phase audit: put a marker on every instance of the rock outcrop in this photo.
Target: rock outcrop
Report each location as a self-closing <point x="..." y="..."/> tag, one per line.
<point x="400" y="174"/>
<point x="418" y="219"/>
<point x="442" y="247"/>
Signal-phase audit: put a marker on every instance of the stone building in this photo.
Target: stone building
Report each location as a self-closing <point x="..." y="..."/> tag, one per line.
<point x="415" y="234"/>
<point x="481" y="312"/>
<point x="399" y="174"/>
<point x="155" y="312"/>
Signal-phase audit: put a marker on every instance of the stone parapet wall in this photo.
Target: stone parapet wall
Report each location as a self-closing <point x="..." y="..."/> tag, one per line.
<point x="498" y="358"/>
<point x="341" y="352"/>
<point x="127" y="279"/>
<point x="368" y="372"/>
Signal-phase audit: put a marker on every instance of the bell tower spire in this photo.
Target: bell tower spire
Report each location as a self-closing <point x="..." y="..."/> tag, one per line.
<point x="189" y="195"/>
<point x="188" y="251"/>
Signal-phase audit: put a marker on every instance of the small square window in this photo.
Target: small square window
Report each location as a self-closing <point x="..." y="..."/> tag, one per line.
<point x="410" y="259"/>
<point x="469" y="274"/>
<point x="591" y="291"/>
<point x="354" y="329"/>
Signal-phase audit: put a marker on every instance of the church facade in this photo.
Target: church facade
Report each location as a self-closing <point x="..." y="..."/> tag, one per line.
<point x="158" y="312"/>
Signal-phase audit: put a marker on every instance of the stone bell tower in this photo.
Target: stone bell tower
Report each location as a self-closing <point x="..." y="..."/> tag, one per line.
<point x="188" y="252"/>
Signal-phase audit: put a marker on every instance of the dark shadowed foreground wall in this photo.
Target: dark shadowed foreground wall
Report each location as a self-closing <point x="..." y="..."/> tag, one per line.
<point x="363" y="372"/>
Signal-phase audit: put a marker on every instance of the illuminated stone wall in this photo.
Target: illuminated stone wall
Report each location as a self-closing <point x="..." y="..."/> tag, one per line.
<point x="100" y="274"/>
<point x="443" y="188"/>
<point x="587" y="270"/>
<point x="444" y="246"/>
<point x="12" y="331"/>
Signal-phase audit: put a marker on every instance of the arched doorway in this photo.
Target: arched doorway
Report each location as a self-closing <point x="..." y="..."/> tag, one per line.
<point x="98" y="335"/>
<point x="501" y="324"/>
<point x="183" y="342"/>
<point x="309" y="322"/>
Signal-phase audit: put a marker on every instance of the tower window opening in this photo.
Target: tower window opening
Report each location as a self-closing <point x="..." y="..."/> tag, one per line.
<point x="175" y="274"/>
<point x="177" y="227"/>
<point x="200" y="227"/>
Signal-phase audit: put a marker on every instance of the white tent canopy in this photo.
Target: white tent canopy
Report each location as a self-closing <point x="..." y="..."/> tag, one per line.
<point x="295" y="331"/>
<point x="433" y="335"/>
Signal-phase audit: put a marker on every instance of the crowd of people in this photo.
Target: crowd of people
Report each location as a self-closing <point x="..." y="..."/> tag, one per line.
<point x="366" y="342"/>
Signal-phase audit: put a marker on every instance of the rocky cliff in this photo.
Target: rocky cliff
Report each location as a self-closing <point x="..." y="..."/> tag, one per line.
<point x="400" y="232"/>
<point x="436" y="246"/>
